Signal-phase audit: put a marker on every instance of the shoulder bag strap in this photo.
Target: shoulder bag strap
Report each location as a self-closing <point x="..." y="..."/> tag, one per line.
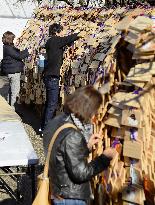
<point x="67" y="125"/>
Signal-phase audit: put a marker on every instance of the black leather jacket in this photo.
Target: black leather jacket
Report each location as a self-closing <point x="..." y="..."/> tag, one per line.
<point x="69" y="170"/>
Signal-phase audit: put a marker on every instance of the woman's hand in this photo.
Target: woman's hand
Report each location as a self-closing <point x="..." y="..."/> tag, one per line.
<point x="30" y="51"/>
<point x="80" y="34"/>
<point x="110" y="152"/>
<point x="94" y="139"/>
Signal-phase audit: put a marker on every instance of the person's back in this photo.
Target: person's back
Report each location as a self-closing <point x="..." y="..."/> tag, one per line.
<point x="12" y="62"/>
<point x="54" y="56"/>
<point x="54" y="49"/>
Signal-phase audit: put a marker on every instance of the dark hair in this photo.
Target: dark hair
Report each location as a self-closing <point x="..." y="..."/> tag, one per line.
<point x="84" y="103"/>
<point x="40" y="48"/>
<point x="8" y="38"/>
<point x="55" y="28"/>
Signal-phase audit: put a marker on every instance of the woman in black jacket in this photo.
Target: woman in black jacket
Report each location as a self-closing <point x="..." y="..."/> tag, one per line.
<point x="12" y="65"/>
<point x="69" y="170"/>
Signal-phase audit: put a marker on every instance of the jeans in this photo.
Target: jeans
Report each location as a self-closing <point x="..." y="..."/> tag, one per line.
<point x="69" y="202"/>
<point x="52" y="94"/>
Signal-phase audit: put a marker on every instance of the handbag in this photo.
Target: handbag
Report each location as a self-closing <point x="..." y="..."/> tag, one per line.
<point x="43" y="196"/>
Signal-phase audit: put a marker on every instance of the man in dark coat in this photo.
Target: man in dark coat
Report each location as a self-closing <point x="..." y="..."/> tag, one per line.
<point x="54" y="50"/>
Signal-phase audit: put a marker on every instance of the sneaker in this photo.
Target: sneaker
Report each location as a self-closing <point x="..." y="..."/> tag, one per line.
<point x="41" y="135"/>
<point x="40" y="132"/>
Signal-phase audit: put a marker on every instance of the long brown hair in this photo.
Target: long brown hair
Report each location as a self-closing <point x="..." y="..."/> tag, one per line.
<point x="84" y="103"/>
<point x="8" y="38"/>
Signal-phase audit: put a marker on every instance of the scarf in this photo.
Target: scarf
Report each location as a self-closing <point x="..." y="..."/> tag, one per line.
<point x="86" y="129"/>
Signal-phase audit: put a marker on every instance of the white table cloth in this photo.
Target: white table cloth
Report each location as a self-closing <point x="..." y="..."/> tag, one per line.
<point x="15" y="146"/>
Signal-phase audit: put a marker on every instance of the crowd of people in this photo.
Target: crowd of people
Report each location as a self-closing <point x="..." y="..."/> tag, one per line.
<point x="69" y="169"/>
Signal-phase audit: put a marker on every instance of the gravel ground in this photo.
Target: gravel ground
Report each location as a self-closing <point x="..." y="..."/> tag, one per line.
<point x="36" y="141"/>
<point x="31" y="123"/>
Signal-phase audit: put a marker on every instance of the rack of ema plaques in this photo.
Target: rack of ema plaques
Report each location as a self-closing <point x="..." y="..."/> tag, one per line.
<point x="116" y="55"/>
